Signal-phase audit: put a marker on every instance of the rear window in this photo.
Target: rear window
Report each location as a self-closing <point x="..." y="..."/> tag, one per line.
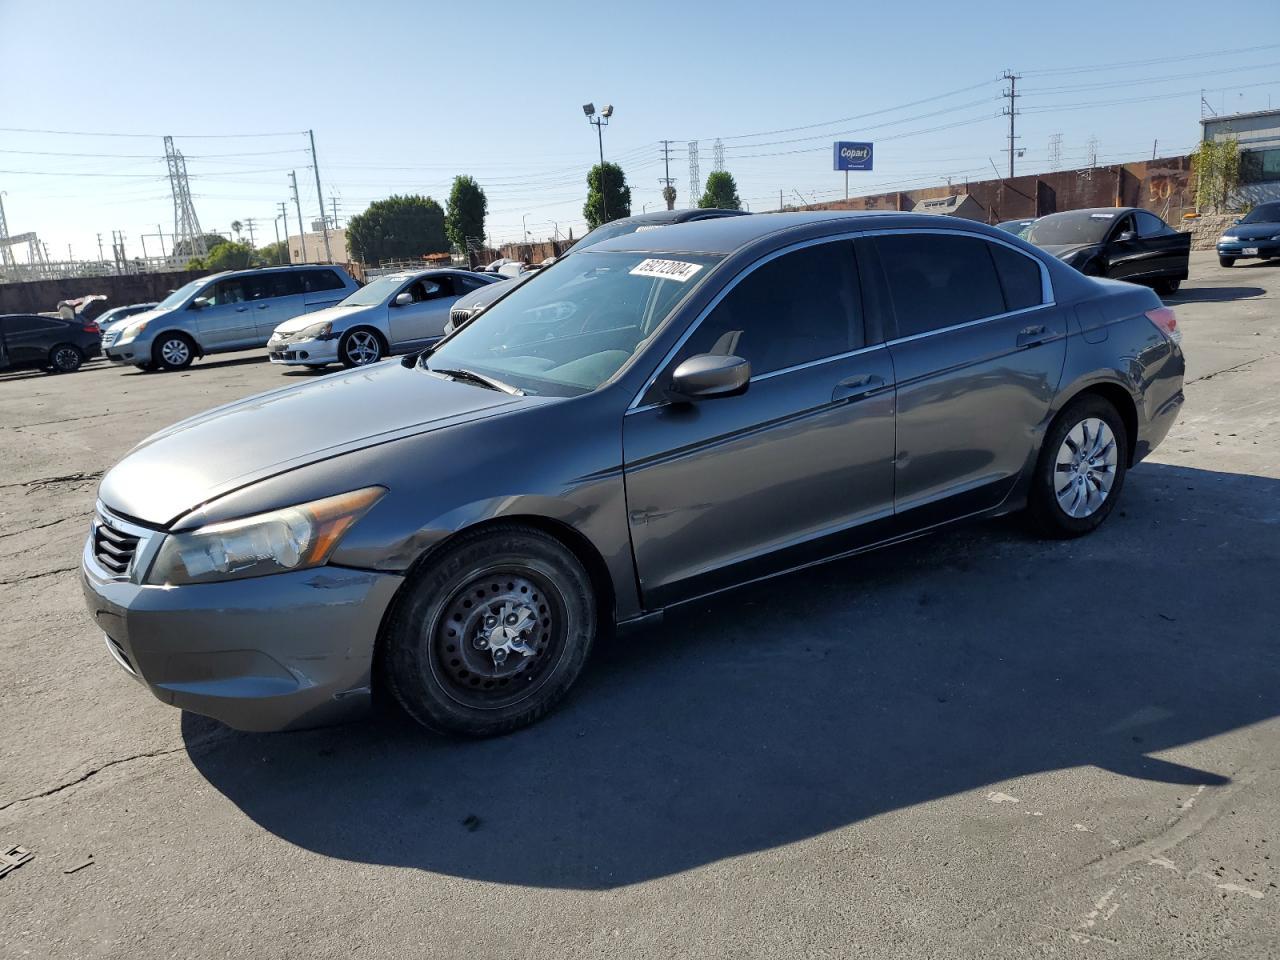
<point x="1019" y="277"/>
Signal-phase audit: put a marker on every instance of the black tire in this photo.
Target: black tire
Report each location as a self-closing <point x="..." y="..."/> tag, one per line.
<point x="172" y="351"/>
<point x="1167" y="287"/>
<point x="65" y="358"/>
<point x="438" y="661"/>
<point x="1046" y="513"/>
<point x="145" y="367"/>
<point x="1226" y="261"/>
<point x="354" y="347"/>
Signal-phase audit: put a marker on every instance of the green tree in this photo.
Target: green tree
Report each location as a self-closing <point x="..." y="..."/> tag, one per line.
<point x="273" y="253"/>
<point x="1216" y="164"/>
<point x="183" y="249"/>
<point x="467" y="208"/>
<point x="398" y="228"/>
<point x="608" y="196"/>
<point x="236" y="227"/>
<point x="721" y="192"/>
<point x="227" y="255"/>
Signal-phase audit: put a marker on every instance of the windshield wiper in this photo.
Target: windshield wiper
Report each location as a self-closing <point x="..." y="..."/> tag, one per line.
<point x="479" y="378"/>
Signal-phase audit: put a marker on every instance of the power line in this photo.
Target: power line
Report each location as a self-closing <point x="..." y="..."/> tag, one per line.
<point x="154" y="136"/>
<point x="1144" y="63"/>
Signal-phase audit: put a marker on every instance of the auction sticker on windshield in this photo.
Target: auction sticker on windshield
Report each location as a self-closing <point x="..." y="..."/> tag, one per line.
<point x="666" y="269"/>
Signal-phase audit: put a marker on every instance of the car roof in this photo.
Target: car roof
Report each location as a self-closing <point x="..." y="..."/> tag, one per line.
<point x="723" y="235"/>
<point x="1116" y="211"/>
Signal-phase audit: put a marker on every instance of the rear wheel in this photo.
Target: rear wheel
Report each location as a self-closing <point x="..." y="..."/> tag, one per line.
<point x="361" y="347"/>
<point x="173" y="351"/>
<point x="1226" y="261"/>
<point x="1167" y="287"/>
<point x="492" y="634"/>
<point x="65" y="358"/>
<point x="1081" y="469"/>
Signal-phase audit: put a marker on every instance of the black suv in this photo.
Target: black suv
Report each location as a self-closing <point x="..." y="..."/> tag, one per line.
<point x="30" y="340"/>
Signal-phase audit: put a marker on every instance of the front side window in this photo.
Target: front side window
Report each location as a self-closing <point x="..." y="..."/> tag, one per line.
<point x="226" y="291"/>
<point x="797" y="308"/>
<point x="568" y="330"/>
<point x="939" y="280"/>
<point x="1149" y="225"/>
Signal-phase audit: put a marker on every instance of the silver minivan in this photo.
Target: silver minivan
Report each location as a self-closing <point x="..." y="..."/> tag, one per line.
<point x="235" y="310"/>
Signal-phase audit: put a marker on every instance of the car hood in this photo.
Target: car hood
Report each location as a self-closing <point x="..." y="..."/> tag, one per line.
<point x="485" y="295"/>
<point x="1252" y="231"/>
<point x="338" y="315"/>
<point x="1064" y="250"/>
<point x="119" y="325"/>
<point x="209" y="455"/>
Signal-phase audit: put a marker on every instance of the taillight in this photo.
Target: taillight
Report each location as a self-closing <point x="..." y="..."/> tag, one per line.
<point x="91" y="328"/>
<point x="1166" y="322"/>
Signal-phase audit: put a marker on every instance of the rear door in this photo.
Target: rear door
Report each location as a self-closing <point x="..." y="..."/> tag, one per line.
<point x="978" y="348"/>
<point x="798" y="467"/>
<point x="4" y="350"/>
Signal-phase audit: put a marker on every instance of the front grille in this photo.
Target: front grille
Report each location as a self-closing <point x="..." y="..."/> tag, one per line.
<point x="110" y="337"/>
<point x="459" y="317"/>
<point x="113" y="549"/>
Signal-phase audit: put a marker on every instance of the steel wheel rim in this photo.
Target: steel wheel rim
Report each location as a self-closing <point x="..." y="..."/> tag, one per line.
<point x="363" y="347"/>
<point x="65" y="358"/>
<point x="1085" y="468"/>
<point x="174" y="352"/>
<point x="498" y="638"/>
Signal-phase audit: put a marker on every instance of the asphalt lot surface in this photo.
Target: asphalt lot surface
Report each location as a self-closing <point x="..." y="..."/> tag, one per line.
<point x="977" y="744"/>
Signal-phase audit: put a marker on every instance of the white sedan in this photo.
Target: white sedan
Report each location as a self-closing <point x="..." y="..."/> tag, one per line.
<point x="397" y="313"/>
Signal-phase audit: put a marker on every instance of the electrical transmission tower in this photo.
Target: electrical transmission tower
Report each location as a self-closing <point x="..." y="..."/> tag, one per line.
<point x="186" y="225"/>
<point x="695" y="177"/>
<point x="1011" y="111"/>
<point x="1093" y="152"/>
<point x="6" y="255"/>
<point x="1055" y="151"/>
<point x="717" y="155"/>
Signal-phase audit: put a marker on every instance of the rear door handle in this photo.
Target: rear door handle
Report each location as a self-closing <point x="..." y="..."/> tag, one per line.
<point x="263" y="306"/>
<point x="241" y="309"/>
<point x="850" y="388"/>
<point x="1030" y="336"/>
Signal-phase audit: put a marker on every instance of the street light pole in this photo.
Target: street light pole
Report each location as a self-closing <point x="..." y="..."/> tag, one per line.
<point x="600" y="122"/>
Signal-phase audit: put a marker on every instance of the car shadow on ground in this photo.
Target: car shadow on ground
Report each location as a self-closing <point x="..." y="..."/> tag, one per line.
<point x="132" y="371"/>
<point x="1212" y="295"/>
<point x="816" y="701"/>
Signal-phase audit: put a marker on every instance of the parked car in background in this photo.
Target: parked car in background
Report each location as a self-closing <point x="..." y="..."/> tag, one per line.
<point x="1256" y="234"/>
<point x="52" y="343"/>
<point x="1015" y="226"/>
<point x="1121" y="243"/>
<point x="641" y="426"/>
<point x="234" y="310"/>
<point x="393" y="314"/>
<point x="116" y="314"/>
<point x="470" y="305"/>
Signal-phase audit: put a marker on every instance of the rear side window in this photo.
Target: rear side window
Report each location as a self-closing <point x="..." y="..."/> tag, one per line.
<point x="798" y="307"/>
<point x="937" y="280"/>
<point x="29" y="324"/>
<point x="1019" y="276"/>
<point x="313" y="281"/>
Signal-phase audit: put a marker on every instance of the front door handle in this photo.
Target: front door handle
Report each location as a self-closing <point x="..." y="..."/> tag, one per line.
<point x="859" y="385"/>
<point x="263" y="306"/>
<point x="1033" y="335"/>
<point x="241" y="309"/>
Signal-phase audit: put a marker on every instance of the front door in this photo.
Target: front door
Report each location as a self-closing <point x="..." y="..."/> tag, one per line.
<point x="229" y="319"/>
<point x="424" y="318"/>
<point x="978" y="348"/>
<point x="797" y="468"/>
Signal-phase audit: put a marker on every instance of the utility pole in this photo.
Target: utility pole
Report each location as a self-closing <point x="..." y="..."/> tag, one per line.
<point x="779" y="199"/>
<point x="302" y="233"/>
<point x="333" y="202"/>
<point x="284" y="215"/>
<point x="1011" y="111"/>
<point x="328" y="257"/>
<point x="101" y="258"/>
<point x="1154" y="144"/>
<point x="249" y="222"/>
<point x="668" y="188"/>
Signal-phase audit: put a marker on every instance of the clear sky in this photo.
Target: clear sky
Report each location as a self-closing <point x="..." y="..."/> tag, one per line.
<point x="403" y="95"/>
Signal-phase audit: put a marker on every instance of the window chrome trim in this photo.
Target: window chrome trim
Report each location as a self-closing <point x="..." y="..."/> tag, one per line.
<point x="1046" y="295"/>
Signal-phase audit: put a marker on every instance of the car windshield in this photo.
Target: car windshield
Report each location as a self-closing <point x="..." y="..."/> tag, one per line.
<point x="1081" y="226"/>
<point x="374" y="292"/>
<point x="572" y="327"/>
<point x="1263" y="213"/>
<point x="179" y="296"/>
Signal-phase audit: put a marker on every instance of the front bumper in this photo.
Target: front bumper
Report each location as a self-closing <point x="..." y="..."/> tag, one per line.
<point x="133" y="351"/>
<point x="302" y="352"/>
<point x="1236" y="248"/>
<point x="268" y="653"/>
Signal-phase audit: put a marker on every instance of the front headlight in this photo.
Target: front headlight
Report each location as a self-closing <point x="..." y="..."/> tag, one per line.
<point x="293" y="538"/>
<point x="317" y="331"/>
<point x="133" y="330"/>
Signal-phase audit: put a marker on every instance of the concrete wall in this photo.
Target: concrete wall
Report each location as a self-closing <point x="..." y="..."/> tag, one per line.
<point x="315" y="247"/>
<point x="1162" y="186"/>
<point x="42" y="296"/>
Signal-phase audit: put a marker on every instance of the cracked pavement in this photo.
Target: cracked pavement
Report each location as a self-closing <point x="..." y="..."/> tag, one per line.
<point x="976" y="744"/>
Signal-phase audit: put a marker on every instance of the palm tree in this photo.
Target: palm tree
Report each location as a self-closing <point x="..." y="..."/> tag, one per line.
<point x="236" y="227"/>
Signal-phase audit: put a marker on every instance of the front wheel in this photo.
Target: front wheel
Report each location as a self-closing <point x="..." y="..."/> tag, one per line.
<point x="172" y="351"/>
<point x="1167" y="287"/>
<point x="1226" y="261"/>
<point x="360" y="347"/>
<point x="65" y="358"/>
<point x="1080" y="471"/>
<point x="490" y="636"/>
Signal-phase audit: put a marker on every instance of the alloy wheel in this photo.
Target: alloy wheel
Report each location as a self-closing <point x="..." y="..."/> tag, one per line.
<point x="1085" y="468"/>
<point x="363" y="348"/>
<point x="66" y="359"/>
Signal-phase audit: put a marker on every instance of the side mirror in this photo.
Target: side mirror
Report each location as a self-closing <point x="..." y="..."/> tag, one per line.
<point x="1238" y="220"/>
<point x="709" y="375"/>
<point x="1126" y="235"/>
<point x="403" y="299"/>
<point x="199" y="303"/>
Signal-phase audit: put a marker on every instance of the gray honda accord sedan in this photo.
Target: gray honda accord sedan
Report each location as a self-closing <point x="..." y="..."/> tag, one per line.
<point x="666" y="415"/>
